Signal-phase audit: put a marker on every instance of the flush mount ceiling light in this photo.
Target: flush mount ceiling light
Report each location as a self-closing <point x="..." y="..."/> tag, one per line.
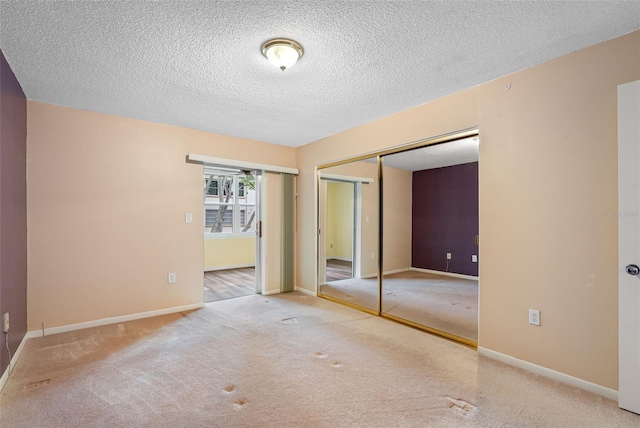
<point x="282" y="53"/>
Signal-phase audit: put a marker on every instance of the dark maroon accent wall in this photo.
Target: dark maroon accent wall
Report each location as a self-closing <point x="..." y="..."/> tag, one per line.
<point x="13" y="209"/>
<point x="445" y="218"/>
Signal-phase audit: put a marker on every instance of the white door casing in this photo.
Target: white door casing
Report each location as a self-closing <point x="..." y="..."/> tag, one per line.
<point x="260" y="242"/>
<point x="629" y="244"/>
<point x="321" y="233"/>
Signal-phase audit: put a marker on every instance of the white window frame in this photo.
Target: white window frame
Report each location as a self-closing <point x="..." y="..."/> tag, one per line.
<point x="236" y="206"/>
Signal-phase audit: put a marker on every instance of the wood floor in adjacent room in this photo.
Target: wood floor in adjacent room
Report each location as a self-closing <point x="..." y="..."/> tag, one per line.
<point x="287" y="360"/>
<point x="339" y="269"/>
<point x="229" y="283"/>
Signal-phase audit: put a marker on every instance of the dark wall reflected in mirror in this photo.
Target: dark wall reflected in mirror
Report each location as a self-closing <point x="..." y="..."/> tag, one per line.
<point x="437" y="287"/>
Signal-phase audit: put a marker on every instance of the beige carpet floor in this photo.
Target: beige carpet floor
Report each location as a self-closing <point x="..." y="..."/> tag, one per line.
<point x="281" y="361"/>
<point x="442" y="302"/>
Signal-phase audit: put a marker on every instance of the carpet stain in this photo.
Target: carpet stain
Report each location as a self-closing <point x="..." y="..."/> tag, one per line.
<point x="290" y="320"/>
<point x="462" y="408"/>
<point x="454" y="304"/>
<point x="229" y="389"/>
<point x="240" y="403"/>
<point x="467" y="307"/>
<point x="38" y="384"/>
<point x="336" y="364"/>
<point x="321" y="354"/>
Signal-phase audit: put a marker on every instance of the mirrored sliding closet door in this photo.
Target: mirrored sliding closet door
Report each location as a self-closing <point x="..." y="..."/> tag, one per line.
<point x="348" y="234"/>
<point x="430" y="238"/>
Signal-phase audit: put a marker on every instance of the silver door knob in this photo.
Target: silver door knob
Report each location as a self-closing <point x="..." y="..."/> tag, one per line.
<point x="632" y="269"/>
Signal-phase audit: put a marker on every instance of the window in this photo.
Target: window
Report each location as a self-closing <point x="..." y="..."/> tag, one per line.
<point x="212" y="213"/>
<point x="225" y="214"/>
<point x="213" y="188"/>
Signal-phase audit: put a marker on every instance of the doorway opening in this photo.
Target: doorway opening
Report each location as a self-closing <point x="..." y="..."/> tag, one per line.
<point x="231" y="229"/>
<point x="340" y="225"/>
<point x="342" y="233"/>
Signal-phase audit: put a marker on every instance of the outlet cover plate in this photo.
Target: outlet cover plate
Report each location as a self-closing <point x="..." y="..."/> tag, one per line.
<point x="534" y="317"/>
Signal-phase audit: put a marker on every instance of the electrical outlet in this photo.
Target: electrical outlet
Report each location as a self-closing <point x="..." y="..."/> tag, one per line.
<point x="5" y="322"/>
<point x="474" y="258"/>
<point x="171" y="277"/>
<point x="534" y="317"/>
<point x="448" y="256"/>
<point x="188" y="218"/>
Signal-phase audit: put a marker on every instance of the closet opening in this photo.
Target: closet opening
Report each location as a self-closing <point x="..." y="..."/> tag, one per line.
<point x="416" y="228"/>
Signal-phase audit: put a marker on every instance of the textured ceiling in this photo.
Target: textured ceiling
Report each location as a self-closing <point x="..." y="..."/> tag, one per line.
<point x="436" y="156"/>
<point x="197" y="64"/>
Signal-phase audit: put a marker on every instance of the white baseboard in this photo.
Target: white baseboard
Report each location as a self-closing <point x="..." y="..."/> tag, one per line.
<point x="215" y="268"/>
<point x="13" y="362"/>
<point x="305" y="291"/>
<point x="342" y="259"/>
<point x="386" y="272"/>
<point x="391" y="272"/>
<point x="609" y="393"/>
<point x="270" y="292"/>
<point x="438" y="272"/>
<point x="113" y="320"/>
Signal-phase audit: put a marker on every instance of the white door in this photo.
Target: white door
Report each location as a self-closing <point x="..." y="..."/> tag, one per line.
<point x="629" y="245"/>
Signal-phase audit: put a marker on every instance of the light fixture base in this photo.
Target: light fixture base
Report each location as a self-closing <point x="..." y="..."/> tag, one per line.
<point x="283" y="53"/>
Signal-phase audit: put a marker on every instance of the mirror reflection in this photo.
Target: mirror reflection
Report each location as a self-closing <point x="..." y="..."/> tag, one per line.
<point x="348" y="240"/>
<point x="430" y="237"/>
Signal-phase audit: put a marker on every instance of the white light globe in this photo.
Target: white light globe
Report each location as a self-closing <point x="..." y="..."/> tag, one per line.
<point x="282" y="53"/>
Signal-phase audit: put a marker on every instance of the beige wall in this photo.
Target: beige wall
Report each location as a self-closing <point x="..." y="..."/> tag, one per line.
<point x="548" y="173"/>
<point x="229" y="252"/>
<point x="339" y="229"/>
<point x="397" y="218"/>
<point x="107" y="198"/>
